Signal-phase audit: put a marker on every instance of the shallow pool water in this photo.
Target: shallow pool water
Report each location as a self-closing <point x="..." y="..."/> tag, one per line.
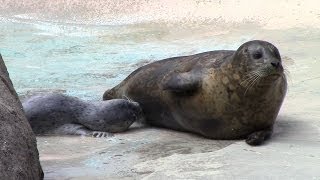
<point x="84" y="60"/>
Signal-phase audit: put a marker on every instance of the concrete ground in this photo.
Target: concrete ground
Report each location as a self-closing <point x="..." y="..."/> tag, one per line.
<point x="148" y="153"/>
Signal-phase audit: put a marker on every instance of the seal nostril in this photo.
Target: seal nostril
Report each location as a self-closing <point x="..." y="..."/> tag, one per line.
<point x="275" y="64"/>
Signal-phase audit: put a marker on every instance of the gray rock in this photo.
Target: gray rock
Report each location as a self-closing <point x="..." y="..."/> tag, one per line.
<point x="19" y="157"/>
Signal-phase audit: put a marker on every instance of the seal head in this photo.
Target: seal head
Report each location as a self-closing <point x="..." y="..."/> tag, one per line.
<point x="258" y="57"/>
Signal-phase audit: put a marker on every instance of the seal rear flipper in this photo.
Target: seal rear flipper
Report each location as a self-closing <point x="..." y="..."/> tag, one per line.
<point x="109" y="94"/>
<point x="258" y="137"/>
<point x="182" y="83"/>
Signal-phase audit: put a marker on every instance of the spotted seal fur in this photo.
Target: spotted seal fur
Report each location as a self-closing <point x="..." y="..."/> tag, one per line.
<point x="220" y="94"/>
<point x="66" y="115"/>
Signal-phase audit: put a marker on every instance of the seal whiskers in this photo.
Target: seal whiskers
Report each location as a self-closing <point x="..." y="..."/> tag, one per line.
<point x="253" y="78"/>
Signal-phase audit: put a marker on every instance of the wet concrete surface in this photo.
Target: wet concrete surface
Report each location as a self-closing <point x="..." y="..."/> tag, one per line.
<point x="116" y="157"/>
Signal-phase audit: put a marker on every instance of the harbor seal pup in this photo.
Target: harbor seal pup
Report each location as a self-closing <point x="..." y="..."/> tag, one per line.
<point x="61" y="114"/>
<point x="218" y="94"/>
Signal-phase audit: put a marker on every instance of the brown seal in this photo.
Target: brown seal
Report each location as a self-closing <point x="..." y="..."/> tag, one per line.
<point x="218" y="94"/>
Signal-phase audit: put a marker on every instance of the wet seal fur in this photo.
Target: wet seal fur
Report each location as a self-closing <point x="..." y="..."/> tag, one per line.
<point x="65" y="115"/>
<point x="218" y="94"/>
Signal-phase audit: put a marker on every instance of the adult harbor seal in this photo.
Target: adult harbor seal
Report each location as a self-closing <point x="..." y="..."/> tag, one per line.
<point x="218" y="94"/>
<point x="61" y="114"/>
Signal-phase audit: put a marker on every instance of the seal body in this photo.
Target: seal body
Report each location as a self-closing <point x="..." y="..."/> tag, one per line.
<point x="61" y="114"/>
<point x="218" y="94"/>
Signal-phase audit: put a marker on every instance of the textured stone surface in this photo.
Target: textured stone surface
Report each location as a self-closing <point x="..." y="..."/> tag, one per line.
<point x="19" y="158"/>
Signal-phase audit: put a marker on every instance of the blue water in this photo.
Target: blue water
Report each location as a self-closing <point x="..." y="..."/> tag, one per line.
<point x="85" y="60"/>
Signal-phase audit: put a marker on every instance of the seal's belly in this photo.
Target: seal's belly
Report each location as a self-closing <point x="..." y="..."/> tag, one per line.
<point x="220" y="118"/>
<point x="230" y="125"/>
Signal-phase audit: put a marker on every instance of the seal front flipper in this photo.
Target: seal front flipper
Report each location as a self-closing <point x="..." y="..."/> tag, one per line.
<point x="100" y="134"/>
<point x="258" y="137"/>
<point x="182" y="83"/>
<point x="78" y="129"/>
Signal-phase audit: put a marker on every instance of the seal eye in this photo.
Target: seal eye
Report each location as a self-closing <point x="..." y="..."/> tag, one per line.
<point x="257" y="55"/>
